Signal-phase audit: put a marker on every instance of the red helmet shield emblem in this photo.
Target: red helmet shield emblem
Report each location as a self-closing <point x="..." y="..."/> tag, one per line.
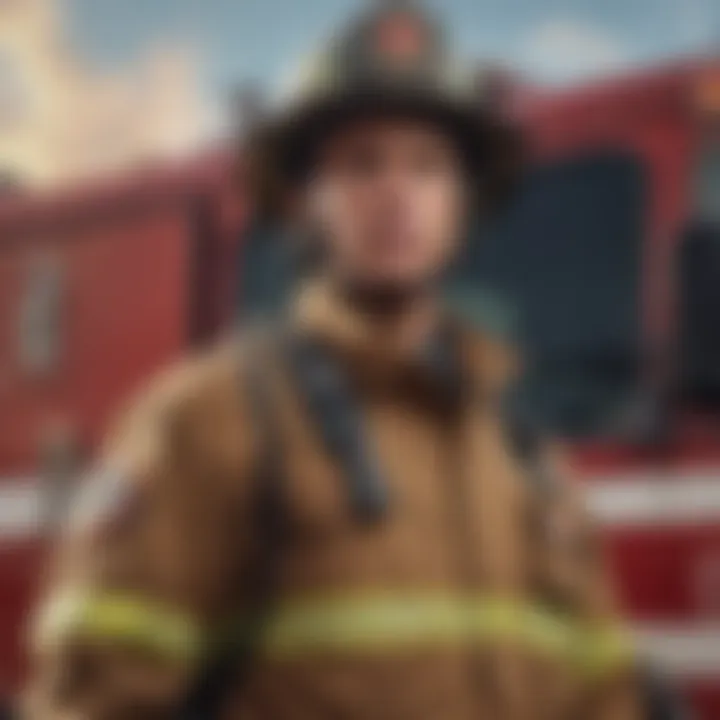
<point x="401" y="38"/>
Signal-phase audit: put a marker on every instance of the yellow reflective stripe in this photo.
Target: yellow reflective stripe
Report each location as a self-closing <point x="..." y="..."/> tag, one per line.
<point x="342" y="624"/>
<point x="363" y="623"/>
<point x="523" y="622"/>
<point x="119" y="618"/>
<point x="373" y="622"/>
<point x="603" y="649"/>
<point x="388" y="623"/>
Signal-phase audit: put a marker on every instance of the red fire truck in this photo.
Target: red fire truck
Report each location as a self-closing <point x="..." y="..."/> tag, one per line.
<point x="610" y="257"/>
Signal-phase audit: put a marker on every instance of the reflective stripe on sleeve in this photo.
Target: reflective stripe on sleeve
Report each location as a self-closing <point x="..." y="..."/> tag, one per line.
<point x="604" y="649"/>
<point x="115" y="617"/>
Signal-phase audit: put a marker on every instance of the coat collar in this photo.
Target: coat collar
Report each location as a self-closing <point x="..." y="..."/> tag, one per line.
<point x="441" y="355"/>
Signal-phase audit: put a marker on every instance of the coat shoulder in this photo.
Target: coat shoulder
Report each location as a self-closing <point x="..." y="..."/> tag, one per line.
<point x="195" y="407"/>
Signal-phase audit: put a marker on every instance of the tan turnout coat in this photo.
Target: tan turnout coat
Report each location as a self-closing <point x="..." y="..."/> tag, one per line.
<point x="418" y="616"/>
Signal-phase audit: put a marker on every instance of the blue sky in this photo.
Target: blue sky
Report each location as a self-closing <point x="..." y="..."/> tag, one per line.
<point x="551" y="40"/>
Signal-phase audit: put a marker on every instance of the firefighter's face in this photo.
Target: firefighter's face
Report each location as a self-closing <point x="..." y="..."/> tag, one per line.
<point x="388" y="198"/>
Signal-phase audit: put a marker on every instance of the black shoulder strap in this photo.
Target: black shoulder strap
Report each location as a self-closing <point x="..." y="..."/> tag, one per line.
<point x="233" y="661"/>
<point x="336" y="414"/>
<point x="524" y="440"/>
<point x="526" y="443"/>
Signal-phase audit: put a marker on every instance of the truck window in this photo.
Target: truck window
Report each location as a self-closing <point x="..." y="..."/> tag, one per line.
<point x="561" y="271"/>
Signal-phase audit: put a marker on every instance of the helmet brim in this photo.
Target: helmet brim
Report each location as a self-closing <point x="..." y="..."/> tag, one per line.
<point x="277" y="156"/>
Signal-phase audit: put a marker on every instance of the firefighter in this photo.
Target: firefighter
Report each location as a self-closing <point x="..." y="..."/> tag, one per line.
<point x="331" y="519"/>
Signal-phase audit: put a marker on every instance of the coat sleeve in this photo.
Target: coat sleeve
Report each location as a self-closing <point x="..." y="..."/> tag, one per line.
<point x="143" y="572"/>
<point x="574" y="580"/>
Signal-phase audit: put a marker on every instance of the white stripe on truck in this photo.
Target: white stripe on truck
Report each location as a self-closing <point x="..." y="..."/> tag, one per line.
<point x="21" y="508"/>
<point x="649" y="499"/>
<point x="685" y="650"/>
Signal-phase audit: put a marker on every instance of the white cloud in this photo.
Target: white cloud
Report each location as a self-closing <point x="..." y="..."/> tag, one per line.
<point x="564" y="50"/>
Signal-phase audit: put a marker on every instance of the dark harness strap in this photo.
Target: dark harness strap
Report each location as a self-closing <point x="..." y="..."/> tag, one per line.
<point x="336" y="415"/>
<point x="526" y="443"/>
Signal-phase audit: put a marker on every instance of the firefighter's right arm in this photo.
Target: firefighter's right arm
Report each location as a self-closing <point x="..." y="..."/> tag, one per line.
<point x="147" y="564"/>
<point x="573" y="579"/>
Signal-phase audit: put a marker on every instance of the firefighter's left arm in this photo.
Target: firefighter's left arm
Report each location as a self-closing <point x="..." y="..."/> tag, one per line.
<point x="573" y="578"/>
<point x="147" y="564"/>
